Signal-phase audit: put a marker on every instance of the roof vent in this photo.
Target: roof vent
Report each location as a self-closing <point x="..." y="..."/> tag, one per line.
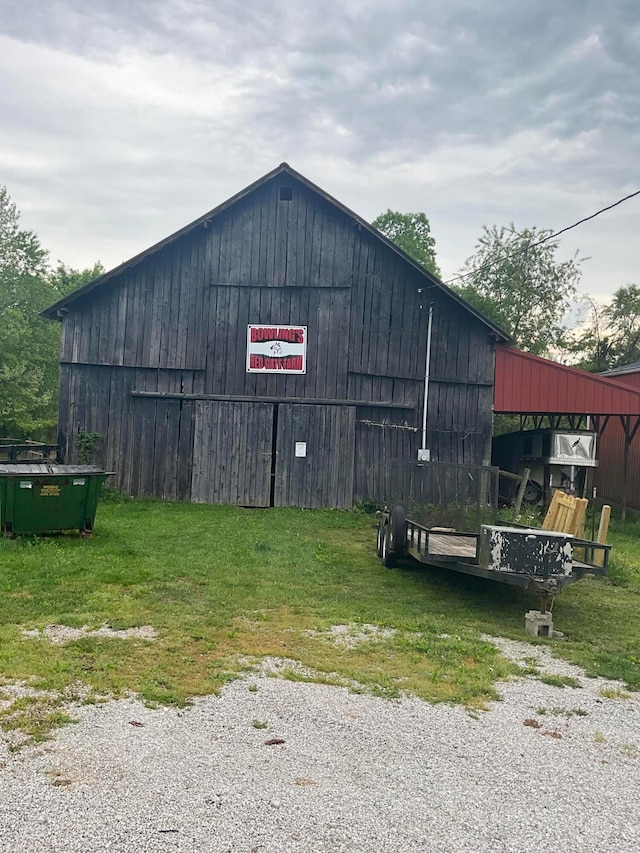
<point x="286" y="193"/>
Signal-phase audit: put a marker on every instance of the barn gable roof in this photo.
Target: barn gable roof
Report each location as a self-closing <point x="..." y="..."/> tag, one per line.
<point x="62" y="306"/>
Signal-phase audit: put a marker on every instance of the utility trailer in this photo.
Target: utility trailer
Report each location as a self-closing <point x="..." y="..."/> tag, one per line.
<point x="541" y="561"/>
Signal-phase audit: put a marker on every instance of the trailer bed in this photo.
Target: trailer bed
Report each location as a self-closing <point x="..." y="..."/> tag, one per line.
<point x="459" y="551"/>
<point x="448" y="545"/>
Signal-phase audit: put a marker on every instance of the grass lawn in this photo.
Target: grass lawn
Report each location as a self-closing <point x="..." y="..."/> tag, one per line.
<point x="224" y="587"/>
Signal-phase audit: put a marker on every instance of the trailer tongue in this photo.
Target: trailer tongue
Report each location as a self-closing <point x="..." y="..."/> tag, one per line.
<point x="541" y="561"/>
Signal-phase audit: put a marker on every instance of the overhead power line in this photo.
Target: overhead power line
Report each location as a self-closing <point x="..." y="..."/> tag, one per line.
<point x="543" y="240"/>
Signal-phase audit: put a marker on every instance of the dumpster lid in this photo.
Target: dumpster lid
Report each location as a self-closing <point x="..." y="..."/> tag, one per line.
<point x="43" y="469"/>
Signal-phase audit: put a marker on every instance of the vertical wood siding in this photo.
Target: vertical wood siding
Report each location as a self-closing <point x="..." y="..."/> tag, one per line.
<point x="177" y="323"/>
<point x="232" y="453"/>
<point x="324" y="476"/>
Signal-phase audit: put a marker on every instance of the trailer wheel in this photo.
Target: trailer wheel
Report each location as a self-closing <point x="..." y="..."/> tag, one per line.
<point x="380" y="537"/>
<point x="398" y="527"/>
<point x="533" y="493"/>
<point x="387" y="556"/>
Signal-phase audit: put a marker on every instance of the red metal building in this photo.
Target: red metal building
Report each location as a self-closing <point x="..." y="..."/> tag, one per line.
<point x="611" y="450"/>
<point x="543" y="391"/>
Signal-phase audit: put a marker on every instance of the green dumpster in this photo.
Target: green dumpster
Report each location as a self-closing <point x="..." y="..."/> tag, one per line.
<point x="42" y="497"/>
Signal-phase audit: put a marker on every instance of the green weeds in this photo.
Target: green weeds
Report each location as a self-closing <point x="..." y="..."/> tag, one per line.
<point x="559" y="680"/>
<point x="559" y="711"/>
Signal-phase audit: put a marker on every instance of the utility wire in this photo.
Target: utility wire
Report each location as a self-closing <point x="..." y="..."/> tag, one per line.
<point x="543" y="240"/>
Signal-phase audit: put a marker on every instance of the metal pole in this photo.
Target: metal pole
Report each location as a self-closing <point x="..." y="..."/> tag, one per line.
<point x="426" y="379"/>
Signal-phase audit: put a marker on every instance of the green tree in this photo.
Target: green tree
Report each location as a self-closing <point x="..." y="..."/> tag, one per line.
<point x="611" y="336"/>
<point x="589" y="341"/>
<point x="518" y="282"/>
<point x="65" y="279"/>
<point x="622" y="317"/>
<point x="28" y="344"/>
<point x="412" y="233"/>
<point x="26" y="341"/>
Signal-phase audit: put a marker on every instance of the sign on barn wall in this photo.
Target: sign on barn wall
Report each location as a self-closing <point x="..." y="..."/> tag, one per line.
<point x="276" y="349"/>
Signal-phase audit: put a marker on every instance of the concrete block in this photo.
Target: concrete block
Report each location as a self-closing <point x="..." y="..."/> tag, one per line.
<point x="538" y="624"/>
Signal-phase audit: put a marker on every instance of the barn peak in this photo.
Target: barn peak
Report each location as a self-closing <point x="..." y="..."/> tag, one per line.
<point x="60" y="308"/>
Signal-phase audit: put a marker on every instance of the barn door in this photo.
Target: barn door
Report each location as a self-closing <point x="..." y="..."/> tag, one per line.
<point x="315" y="456"/>
<point x="232" y="453"/>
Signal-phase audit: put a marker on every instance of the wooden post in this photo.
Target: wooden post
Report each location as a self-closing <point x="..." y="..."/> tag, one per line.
<point x="521" y="491"/>
<point x="605" y="515"/>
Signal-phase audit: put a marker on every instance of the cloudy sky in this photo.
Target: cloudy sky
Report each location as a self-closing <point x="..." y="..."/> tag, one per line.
<point x="122" y="120"/>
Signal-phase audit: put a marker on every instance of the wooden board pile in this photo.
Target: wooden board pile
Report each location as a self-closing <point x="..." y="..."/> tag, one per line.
<point x="567" y="514"/>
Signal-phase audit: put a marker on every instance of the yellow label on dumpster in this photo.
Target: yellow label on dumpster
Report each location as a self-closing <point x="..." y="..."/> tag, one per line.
<point x="50" y="491"/>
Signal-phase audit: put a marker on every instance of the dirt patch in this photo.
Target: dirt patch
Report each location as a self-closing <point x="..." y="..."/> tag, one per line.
<point x="60" y="634"/>
<point x="354" y="634"/>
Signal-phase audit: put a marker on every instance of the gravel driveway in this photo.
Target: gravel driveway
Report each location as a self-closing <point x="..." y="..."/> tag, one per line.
<point x="347" y="772"/>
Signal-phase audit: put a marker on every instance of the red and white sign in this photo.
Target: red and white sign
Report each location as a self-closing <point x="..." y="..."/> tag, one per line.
<point x="276" y="349"/>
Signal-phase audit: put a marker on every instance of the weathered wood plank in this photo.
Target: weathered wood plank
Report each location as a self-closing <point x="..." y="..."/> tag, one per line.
<point x="358" y="297"/>
<point x="328" y="250"/>
<point x="218" y="340"/>
<point x="318" y="401"/>
<point x="66" y="337"/>
<point x="269" y="234"/>
<point x="243" y="309"/>
<point x="324" y="477"/>
<point x="132" y="331"/>
<point x="255" y="269"/>
<point x="225" y="225"/>
<point x="192" y="304"/>
<point x="296" y="237"/>
<point x="64" y="408"/>
<point x="224" y="435"/>
<point x="281" y="242"/>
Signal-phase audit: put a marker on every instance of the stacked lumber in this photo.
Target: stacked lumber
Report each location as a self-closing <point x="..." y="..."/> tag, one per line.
<point x="567" y="514"/>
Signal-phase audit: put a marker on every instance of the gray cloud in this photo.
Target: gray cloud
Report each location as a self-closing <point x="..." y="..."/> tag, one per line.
<point x="121" y="121"/>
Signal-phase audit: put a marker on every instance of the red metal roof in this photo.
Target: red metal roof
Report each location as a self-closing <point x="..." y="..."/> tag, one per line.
<point x="529" y="384"/>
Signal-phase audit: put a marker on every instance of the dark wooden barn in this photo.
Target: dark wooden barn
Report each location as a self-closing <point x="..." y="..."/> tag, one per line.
<point x="272" y="353"/>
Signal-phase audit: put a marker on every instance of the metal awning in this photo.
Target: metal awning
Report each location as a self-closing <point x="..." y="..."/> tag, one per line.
<point x="538" y="388"/>
<point x="529" y="384"/>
